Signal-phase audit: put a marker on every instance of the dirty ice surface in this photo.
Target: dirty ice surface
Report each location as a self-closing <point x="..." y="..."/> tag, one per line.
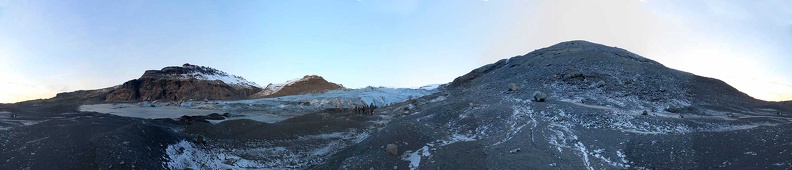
<point x="268" y="110"/>
<point x="134" y="110"/>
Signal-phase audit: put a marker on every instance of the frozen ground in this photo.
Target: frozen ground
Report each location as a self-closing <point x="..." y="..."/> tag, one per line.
<point x="270" y="154"/>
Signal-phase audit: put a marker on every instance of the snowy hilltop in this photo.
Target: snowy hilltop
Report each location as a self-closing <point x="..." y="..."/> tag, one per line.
<point x="188" y="71"/>
<point x="305" y="85"/>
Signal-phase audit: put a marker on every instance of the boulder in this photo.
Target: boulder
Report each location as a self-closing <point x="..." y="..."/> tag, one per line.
<point x="513" y="87"/>
<point x="392" y="149"/>
<point x="539" y="96"/>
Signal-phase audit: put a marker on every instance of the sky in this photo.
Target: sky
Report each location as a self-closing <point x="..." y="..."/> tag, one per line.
<point x="52" y="46"/>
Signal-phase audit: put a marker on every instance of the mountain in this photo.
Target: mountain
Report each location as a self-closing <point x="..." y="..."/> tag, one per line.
<point x="591" y="73"/>
<point x="605" y="108"/>
<point x="192" y="82"/>
<point x="184" y="83"/>
<point x="305" y="85"/>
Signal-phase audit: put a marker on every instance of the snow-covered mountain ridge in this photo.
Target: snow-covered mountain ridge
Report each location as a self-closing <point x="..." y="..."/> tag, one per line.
<point x="275" y="87"/>
<point x="188" y="71"/>
<point x="304" y="85"/>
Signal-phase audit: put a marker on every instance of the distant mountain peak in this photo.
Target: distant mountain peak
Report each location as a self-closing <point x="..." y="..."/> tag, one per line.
<point x="188" y="71"/>
<point x="306" y="84"/>
<point x="183" y="83"/>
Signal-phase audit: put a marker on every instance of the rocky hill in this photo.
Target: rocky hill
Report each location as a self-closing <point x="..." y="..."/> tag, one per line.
<point x="192" y="82"/>
<point x="602" y="108"/>
<point x="184" y="83"/>
<point x="590" y="73"/>
<point x="306" y="85"/>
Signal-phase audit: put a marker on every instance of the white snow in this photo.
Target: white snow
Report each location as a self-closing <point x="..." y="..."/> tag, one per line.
<point x="437" y="99"/>
<point x="414" y="158"/>
<point x="430" y="87"/>
<point x="565" y="138"/>
<point x="226" y="78"/>
<point x="274" y="88"/>
<point x="457" y="138"/>
<point x="214" y="74"/>
<point x="313" y="150"/>
<point x="184" y="155"/>
<point x="598" y="153"/>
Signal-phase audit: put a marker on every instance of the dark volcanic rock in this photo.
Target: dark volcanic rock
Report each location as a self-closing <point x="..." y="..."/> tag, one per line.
<point x="596" y="73"/>
<point x="158" y="89"/>
<point x="184" y="83"/>
<point x="70" y="140"/>
<point x="594" y="120"/>
<point x="171" y="83"/>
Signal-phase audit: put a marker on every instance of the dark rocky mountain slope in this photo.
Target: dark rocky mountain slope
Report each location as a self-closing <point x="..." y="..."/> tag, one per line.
<point x="175" y="83"/>
<point x="184" y="83"/>
<point x="606" y="108"/>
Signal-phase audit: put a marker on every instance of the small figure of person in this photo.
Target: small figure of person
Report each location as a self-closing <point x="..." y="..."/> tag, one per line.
<point x="371" y="108"/>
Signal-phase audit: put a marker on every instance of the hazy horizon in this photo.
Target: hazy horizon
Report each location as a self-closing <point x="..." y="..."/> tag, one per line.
<point x="47" y="47"/>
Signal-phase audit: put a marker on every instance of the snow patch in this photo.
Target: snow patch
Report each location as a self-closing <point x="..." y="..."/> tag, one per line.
<point x="430" y="87"/>
<point x="274" y="88"/>
<point x="260" y="154"/>
<point x="437" y="99"/>
<point x="565" y="138"/>
<point x="516" y="122"/>
<point x="184" y="155"/>
<point x="414" y="158"/>
<point x="211" y="74"/>
<point x="622" y="156"/>
<point x="457" y="138"/>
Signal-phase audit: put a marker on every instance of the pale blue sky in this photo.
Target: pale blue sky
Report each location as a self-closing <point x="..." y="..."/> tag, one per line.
<point x="65" y="45"/>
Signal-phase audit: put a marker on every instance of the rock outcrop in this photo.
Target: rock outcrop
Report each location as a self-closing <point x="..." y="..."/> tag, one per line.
<point x="309" y="84"/>
<point x="392" y="149"/>
<point x="184" y="83"/>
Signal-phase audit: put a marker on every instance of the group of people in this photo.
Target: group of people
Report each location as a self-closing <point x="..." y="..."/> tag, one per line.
<point x="366" y="110"/>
